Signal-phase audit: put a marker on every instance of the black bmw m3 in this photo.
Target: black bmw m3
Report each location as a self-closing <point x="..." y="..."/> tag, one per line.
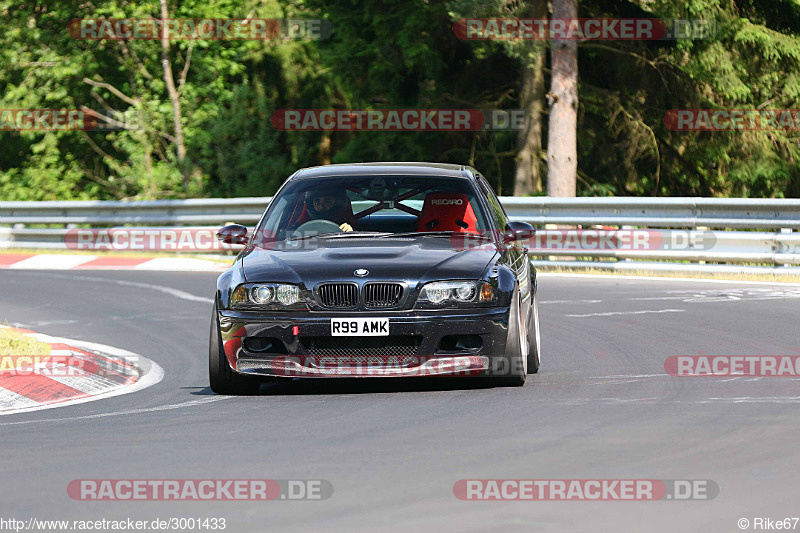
<point x="377" y="270"/>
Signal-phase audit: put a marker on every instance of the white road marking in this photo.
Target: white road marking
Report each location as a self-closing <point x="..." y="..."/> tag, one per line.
<point x="617" y="376"/>
<point x="659" y="278"/>
<point x="169" y="407"/>
<point x="728" y="295"/>
<point x="707" y="296"/>
<point x="52" y="261"/>
<point x="48" y="323"/>
<point x="180" y="264"/>
<point x="732" y="400"/>
<point x="657" y="298"/>
<point x="753" y="399"/>
<point x="615" y="313"/>
<point x="183" y="295"/>
<point x="570" y="302"/>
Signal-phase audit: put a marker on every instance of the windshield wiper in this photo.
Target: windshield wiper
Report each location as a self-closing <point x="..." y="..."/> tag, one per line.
<point x="338" y="235"/>
<point x="435" y="234"/>
<point x="313" y="236"/>
<point x="358" y="234"/>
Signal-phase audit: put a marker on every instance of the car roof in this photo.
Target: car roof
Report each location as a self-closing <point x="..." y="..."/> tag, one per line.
<point x="388" y="168"/>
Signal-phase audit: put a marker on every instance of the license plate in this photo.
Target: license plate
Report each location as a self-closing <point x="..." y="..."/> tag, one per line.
<point x="360" y="327"/>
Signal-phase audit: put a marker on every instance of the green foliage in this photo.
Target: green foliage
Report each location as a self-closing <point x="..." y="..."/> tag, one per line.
<point x="751" y="61"/>
<point x="388" y="54"/>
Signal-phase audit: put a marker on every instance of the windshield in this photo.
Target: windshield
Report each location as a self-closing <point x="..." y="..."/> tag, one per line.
<point x="328" y="207"/>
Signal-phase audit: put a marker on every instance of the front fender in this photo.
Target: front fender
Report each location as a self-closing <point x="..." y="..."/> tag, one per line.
<point x="505" y="285"/>
<point x="227" y="282"/>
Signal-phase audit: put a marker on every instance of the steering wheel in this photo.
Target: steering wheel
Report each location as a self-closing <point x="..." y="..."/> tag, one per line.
<point x="315" y="227"/>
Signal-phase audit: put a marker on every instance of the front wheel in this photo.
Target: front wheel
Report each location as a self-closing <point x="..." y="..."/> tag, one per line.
<point x="534" y="338"/>
<point x="222" y="378"/>
<point x="516" y="346"/>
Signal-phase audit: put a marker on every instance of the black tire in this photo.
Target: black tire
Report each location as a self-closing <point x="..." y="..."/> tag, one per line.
<point x="534" y="337"/>
<point x="514" y="347"/>
<point x="223" y="380"/>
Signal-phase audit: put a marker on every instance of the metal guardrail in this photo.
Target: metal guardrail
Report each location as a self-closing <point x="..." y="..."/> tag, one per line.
<point x="781" y="246"/>
<point x="718" y="246"/>
<point x="631" y="211"/>
<point x="657" y="212"/>
<point x="211" y="211"/>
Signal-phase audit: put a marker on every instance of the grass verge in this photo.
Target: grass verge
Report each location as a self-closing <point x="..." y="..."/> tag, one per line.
<point x="14" y="343"/>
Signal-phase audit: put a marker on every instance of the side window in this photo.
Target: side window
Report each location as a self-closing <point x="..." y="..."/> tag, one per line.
<point x="495" y="209"/>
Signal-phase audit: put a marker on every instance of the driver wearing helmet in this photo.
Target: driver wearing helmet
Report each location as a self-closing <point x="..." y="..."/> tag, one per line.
<point x="329" y="205"/>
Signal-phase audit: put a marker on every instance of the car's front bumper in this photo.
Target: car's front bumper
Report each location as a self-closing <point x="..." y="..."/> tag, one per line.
<point x="301" y="345"/>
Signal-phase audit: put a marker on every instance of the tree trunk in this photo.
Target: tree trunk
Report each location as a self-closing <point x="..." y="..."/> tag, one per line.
<point x="562" y="146"/>
<point x="324" y="156"/>
<point x="174" y="98"/>
<point x="528" y="178"/>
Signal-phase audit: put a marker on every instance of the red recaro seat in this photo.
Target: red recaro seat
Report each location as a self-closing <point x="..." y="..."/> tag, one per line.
<point x="447" y="211"/>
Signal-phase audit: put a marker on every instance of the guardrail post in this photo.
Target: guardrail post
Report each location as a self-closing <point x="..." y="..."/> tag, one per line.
<point x="700" y="228"/>
<point x="626" y="228"/>
<point x="551" y="227"/>
<point x="786" y="231"/>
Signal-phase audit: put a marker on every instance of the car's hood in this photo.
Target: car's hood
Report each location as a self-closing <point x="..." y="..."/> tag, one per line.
<point x="398" y="259"/>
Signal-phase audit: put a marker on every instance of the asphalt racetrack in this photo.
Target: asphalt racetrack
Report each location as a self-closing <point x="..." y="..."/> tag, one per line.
<point x="602" y="406"/>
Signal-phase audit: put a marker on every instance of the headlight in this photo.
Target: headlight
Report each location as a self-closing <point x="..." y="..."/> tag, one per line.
<point x="262" y="294"/>
<point x="288" y="294"/>
<point x="276" y="296"/>
<point x="443" y="292"/>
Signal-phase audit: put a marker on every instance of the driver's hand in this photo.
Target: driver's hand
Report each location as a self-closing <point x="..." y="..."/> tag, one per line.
<point x="346" y="227"/>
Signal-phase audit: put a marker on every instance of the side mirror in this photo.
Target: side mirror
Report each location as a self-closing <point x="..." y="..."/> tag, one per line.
<point x="232" y="234"/>
<point x="518" y="231"/>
